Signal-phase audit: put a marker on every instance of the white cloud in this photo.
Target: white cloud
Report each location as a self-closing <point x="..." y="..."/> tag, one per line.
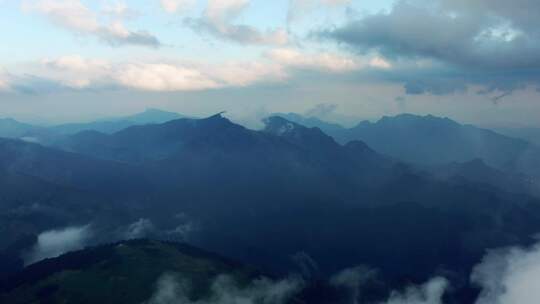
<point x="509" y="276"/>
<point x="139" y="229"/>
<point x="175" y="6"/>
<point x="218" y="18"/>
<point x="75" y="16"/>
<point x="299" y="8"/>
<point x="324" y="61"/>
<point x="4" y="81"/>
<point x="172" y="289"/>
<point x="119" y="10"/>
<point x="78" y="72"/>
<point x="54" y="243"/>
<point x="163" y="77"/>
<point x="379" y="62"/>
<point x="278" y="65"/>
<point x="352" y="279"/>
<point x="71" y="14"/>
<point x="505" y="276"/>
<point x="321" y="61"/>
<point x="430" y="293"/>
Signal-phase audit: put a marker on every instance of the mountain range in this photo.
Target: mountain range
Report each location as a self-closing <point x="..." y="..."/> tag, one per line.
<point x="10" y="128"/>
<point x="225" y="188"/>
<point x="434" y="140"/>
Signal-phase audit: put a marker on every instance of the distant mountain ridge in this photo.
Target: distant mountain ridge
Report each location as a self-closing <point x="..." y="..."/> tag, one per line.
<point x="10" y="128"/>
<point x="530" y="134"/>
<point x="433" y="140"/>
<point x="149" y="116"/>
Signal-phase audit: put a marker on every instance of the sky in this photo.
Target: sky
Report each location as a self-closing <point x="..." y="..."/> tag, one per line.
<point x="477" y="61"/>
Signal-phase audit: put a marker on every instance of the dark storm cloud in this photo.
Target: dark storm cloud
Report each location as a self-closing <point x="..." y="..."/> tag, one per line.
<point x="492" y="43"/>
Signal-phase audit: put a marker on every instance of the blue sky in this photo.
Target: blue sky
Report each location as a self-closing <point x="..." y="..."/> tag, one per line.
<point x="475" y="61"/>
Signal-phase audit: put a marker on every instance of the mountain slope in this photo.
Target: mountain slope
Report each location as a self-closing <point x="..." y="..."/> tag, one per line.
<point x="476" y="171"/>
<point x="127" y="272"/>
<point x="66" y="168"/>
<point x="43" y="189"/>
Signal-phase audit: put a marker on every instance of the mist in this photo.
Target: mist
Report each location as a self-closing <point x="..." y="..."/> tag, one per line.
<point x="172" y="289"/>
<point x="509" y="276"/>
<point x="53" y="243"/>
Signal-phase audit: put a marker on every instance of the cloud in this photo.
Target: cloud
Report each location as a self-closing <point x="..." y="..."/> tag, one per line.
<point x="307" y="265"/>
<point x="172" y="289"/>
<point x="352" y="279"/>
<point x="294" y="58"/>
<point x="509" y="276"/>
<point x="299" y="8"/>
<point x="218" y="18"/>
<point x="163" y="77"/>
<point x="185" y="228"/>
<point x="119" y="10"/>
<point x="139" y="229"/>
<point x="4" y="81"/>
<point x="505" y="276"/>
<point x="175" y="6"/>
<point x="78" y="18"/>
<point x="322" y="110"/>
<point x="77" y="72"/>
<point x="456" y="34"/>
<point x="54" y="243"/>
<point x="484" y="42"/>
<point x="430" y="293"/>
<point x="322" y="61"/>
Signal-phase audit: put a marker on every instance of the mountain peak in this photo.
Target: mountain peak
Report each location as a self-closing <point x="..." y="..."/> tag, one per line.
<point x="216" y="120"/>
<point x="279" y="126"/>
<point x="296" y="133"/>
<point x="152" y="115"/>
<point x="218" y="115"/>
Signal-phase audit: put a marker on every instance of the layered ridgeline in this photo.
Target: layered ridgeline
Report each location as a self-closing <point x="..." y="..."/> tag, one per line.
<point x="10" y="128"/>
<point x="433" y="140"/>
<point x="278" y="198"/>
